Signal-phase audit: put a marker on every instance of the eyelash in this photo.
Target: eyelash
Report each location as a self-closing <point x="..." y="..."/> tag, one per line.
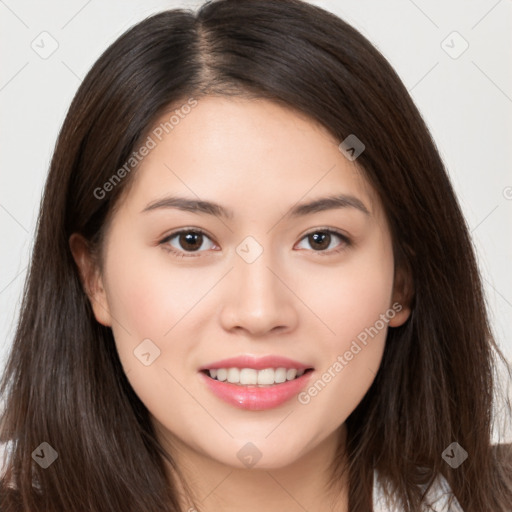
<point x="182" y="254"/>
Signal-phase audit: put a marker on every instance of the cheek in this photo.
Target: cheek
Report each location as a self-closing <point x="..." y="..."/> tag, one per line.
<point x="137" y="298"/>
<point x="146" y="301"/>
<point x="149" y="298"/>
<point x="146" y="294"/>
<point x="353" y="296"/>
<point x="357" y="310"/>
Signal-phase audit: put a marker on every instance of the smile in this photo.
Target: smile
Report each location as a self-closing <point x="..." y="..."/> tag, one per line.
<point x="251" y="376"/>
<point x="256" y="397"/>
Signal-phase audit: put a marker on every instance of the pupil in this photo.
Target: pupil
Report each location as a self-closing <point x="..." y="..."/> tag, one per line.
<point x="190" y="239"/>
<point x="323" y="236"/>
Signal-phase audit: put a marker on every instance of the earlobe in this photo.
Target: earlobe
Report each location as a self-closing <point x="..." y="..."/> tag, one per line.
<point x="90" y="277"/>
<point x="403" y="293"/>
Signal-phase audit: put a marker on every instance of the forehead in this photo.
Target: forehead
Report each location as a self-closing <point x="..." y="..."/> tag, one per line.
<point x="244" y="153"/>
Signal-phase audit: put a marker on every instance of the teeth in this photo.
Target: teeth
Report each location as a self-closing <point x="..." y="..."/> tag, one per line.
<point x="233" y="375"/>
<point x="280" y="375"/>
<point x="292" y="373"/>
<point x="269" y="376"/>
<point x="250" y="376"/>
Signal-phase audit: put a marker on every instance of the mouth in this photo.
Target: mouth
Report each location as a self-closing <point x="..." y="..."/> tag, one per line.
<point x="251" y="377"/>
<point x="256" y="390"/>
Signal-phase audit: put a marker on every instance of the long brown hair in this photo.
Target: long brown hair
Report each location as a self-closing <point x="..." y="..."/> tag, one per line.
<point x="64" y="383"/>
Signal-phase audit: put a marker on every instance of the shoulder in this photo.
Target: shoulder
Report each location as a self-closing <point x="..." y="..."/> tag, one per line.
<point x="439" y="498"/>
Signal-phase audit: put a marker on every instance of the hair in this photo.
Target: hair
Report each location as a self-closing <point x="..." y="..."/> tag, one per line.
<point x="64" y="383"/>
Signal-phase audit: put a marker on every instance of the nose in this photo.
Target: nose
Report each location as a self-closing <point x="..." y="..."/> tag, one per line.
<point x="259" y="298"/>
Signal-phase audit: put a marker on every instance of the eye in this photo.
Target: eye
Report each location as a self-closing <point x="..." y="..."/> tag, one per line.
<point x="188" y="240"/>
<point x="321" y="240"/>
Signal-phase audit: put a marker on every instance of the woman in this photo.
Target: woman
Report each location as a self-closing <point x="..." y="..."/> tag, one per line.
<point x="324" y="346"/>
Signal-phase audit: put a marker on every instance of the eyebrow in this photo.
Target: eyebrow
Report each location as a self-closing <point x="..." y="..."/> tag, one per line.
<point x="211" y="208"/>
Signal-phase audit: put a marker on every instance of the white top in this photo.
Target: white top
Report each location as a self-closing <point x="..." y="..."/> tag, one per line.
<point x="440" y="498"/>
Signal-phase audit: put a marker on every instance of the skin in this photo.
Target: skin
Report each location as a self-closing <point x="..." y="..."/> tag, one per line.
<point x="258" y="159"/>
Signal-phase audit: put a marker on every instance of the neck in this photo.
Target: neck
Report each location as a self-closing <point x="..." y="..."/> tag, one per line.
<point x="301" y="485"/>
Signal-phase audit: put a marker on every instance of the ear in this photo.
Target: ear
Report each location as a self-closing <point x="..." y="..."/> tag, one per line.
<point x="403" y="293"/>
<point x="90" y="277"/>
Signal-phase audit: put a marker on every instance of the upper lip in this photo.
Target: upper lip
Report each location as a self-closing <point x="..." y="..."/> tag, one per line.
<point x="257" y="363"/>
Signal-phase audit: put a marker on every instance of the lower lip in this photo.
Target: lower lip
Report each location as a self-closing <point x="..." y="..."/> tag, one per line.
<point x="256" y="398"/>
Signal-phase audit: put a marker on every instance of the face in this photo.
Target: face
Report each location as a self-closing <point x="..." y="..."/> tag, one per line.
<point x="261" y="276"/>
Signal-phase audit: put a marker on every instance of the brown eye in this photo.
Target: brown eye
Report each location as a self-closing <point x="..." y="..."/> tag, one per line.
<point x="323" y="241"/>
<point x="320" y="240"/>
<point x="190" y="241"/>
<point x="186" y="241"/>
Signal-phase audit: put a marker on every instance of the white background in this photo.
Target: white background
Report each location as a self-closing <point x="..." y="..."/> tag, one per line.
<point x="466" y="102"/>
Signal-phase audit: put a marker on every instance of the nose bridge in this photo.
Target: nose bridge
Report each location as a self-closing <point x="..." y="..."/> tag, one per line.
<point x="259" y="301"/>
<point x="257" y="284"/>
